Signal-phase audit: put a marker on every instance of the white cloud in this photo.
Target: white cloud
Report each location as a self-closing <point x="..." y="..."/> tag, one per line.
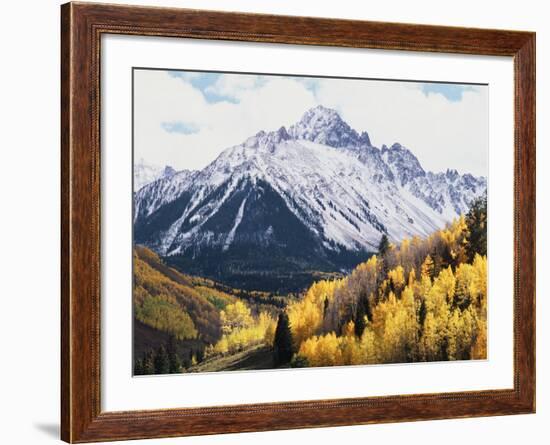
<point x="234" y="85"/>
<point x="443" y="134"/>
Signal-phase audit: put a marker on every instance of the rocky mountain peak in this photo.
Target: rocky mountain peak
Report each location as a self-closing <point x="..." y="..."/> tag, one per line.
<point x="402" y="162"/>
<point x="336" y="197"/>
<point x="267" y="140"/>
<point x="325" y="126"/>
<point x="451" y="174"/>
<point x="168" y="172"/>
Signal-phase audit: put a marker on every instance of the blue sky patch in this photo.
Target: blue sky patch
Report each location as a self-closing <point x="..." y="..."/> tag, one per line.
<point x="451" y="91"/>
<point x="310" y="83"/>
<point x="203" y="82"/>
<point x="180" y="127"/>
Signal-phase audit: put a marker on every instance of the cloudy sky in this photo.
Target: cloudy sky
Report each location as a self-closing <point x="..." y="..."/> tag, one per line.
<point x="185" y="119"/>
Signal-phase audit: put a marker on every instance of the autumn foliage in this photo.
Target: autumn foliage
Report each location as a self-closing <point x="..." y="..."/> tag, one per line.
<point x="190" y="308"/>
<point x="173" y="302"/>
<point x="422" y="300"/>
<point x="242" y="330"/>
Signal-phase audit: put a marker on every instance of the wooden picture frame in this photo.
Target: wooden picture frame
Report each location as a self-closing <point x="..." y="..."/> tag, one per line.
<point x="82" y="25"/>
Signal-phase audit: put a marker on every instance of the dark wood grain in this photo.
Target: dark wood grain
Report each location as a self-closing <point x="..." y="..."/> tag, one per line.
<point x="65" y="228"/>
<point x="81" y="28"/>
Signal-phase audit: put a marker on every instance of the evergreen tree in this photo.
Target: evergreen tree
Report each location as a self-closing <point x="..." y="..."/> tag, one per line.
<point x="161" y="363"/>
<point x="422" y="312"/>
<point x="138" y="367"/>
<point x="186" y="362"/>
<point x="282" y="346"/>
<point x="447" y="258"/>
<point x="391" y="285"/>
<point x="437" y="263"/>
<point x="359" y="323"/>
<point x="325" y="307"/>
<point x="148" y="365"/>
<point x="476" y="220"/>
<point x="444" y="350"/>
<point x="384" y="245"/>
<point x="368" y="304"/>
<point x="200" y="355"/>
<point x="174" y="362"/>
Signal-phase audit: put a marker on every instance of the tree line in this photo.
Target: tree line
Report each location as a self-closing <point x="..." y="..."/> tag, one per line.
<point x="168" y="359"/>
<point x="421" y="300"/>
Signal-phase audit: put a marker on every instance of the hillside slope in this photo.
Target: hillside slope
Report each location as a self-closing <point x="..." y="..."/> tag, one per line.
<point x="317" y="197"/>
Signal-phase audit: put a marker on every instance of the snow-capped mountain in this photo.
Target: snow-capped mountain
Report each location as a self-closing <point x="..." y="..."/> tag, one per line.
<point x="145" y="173"/>
<point x="315" y="196"/>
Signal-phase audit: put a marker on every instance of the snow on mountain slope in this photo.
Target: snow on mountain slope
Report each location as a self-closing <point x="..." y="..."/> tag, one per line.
<point x="321" y="179"/>
<point x="145" y="173"/>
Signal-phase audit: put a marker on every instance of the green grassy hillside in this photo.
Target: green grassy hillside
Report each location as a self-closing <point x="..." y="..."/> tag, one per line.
<point x="180" y="318"/>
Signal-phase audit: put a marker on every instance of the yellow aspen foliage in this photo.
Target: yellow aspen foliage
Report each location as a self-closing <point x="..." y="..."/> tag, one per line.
<point x="368" y="347"/>
<point x="162" y="312"/>
<point x="381" y="312"/>
<point x="471" y="286"/>
<point x="395" y="328"/>
<point x="368" y="266"/>
<point x="412" y="278"/>
<point x="461" y="334"/>
<point x="434" y="331"/>
<point x="455" y="236"/>
<point x="351" y="351"/>
<point x="430" y="344"/>
<point x="455" y="233"/>
<point x="427" y="269"/>
<point x="479" y="350"/>
<point x="235" y="316"/>
<point x="171" y="303"/>
<point x="442" y="291"/>
<point x="466" y="281"/>
<point x="222" y="347"/>
<point x="349" y="329"/>
<point x="306" y="316"/>
<point x="480" y="267"/>
<point x="255" y="331"/>
<point x="429" y="306"/>
<point x="331" y="350"/>
<point x="308" y="349"/>
<point x="384" y="287"/>
<point x="423" y="287"/>
<point x="397" y="276"/>
<point x="322" y="351"/>
<point x="407" y="298"/>
<point x="269" y="334"/>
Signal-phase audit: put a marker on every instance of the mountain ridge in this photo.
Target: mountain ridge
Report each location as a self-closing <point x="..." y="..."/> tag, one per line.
<point x="322" y="179"/>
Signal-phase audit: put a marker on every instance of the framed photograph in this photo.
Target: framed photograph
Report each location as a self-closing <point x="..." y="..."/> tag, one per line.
<point x="275" y="222"/>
